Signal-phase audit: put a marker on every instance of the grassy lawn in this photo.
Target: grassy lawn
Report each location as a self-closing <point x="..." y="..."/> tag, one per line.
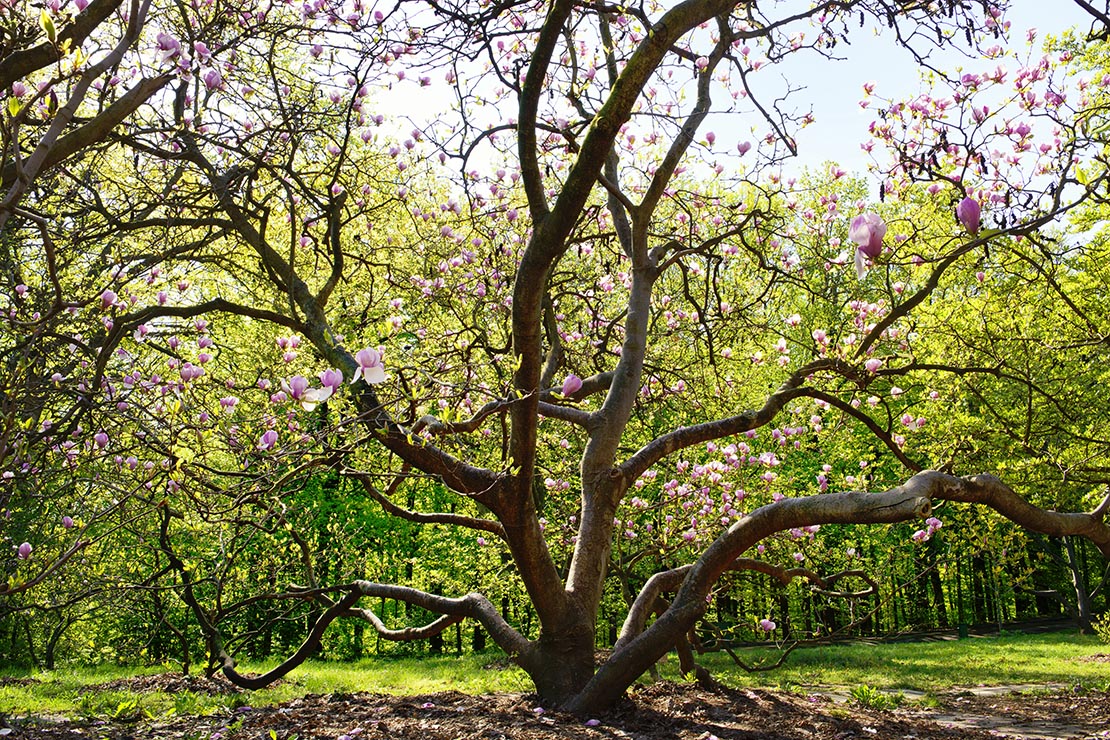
<point x="69" y="691"/>
<point x="925" y="666"/>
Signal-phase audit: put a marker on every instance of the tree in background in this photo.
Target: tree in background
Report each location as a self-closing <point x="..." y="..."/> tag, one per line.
<point x="587" y="321"/>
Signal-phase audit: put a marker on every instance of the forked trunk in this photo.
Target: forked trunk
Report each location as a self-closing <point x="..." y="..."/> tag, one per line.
<point x="561" y="662"/>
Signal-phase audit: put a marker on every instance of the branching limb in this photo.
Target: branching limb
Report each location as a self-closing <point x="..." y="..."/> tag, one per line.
<point x="6" y="589"/>
<point x="483" y="525"/>
<point x="685" y="437"/>
<point x="307" y="648"/>
<point x="989" y="490"/>
<point x="407" y="633"/>
<point x="19" y="64"/>
<point x="911" y="500"/>
<point x="880" y="433"/>
<point x="670" y="580"/>
<point x="439" y="427"/>
<point x="637" y="652"/>
<point x="97" y="129"/>
<point x="474" y="605"/>
<point x="1100" y="511"/>
<point x="905" y="307"/>
<point x="821" y="584"/>
<point x="28" y="170"/>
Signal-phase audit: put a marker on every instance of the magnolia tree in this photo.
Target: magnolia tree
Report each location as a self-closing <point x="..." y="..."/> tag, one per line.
<point x="69" y="76"/>
<point x="567" y="302"/>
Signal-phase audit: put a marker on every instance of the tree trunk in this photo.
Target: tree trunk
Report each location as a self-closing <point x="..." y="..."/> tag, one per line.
<point x="1079" y="583"/>
<point x="52" y="642"/>
<point x="978" y="590"/>
<point x="561" y="662"/>
<point x="937" y="588"/>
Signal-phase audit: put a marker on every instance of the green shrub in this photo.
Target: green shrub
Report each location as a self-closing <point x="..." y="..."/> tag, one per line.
<point x="873" y="698"/>
<point x="1102" y="628"/>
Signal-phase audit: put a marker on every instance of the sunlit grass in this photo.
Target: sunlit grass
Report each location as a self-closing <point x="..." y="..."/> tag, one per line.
<point x="70" y="691"/>
<point x="922" y="666"/>
<point x="926" y="666"/>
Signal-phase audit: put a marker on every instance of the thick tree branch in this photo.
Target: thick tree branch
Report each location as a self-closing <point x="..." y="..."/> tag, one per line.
<point x="19" y="64"/>
<point x="684" y="437"/>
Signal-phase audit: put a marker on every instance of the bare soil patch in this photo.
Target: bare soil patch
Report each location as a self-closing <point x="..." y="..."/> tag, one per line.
<point x="1096" y="658"/>
<point x="662" y="711"/>
<point x="13" y="681"/>
<point x="171" y="683"/>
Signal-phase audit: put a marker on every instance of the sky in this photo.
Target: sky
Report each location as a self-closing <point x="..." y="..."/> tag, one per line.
<point x="831" y="89"/>
<point x="834" y="89"/>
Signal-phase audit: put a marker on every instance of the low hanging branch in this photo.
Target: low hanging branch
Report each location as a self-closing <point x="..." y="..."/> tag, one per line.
<point x="638" y="648"/>
<point x="473" y="605"/>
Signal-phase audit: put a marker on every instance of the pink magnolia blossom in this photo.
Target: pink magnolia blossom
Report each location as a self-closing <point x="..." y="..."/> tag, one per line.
<point x="169" y="46"/>
<point x="190" y="372"/>
<point x="767" y="625"/>
<point x="873" y="365"/>
<point x="867" y="232"/>
<point x="968" y="213"/>
<point x="295" y="387"/>
<point x="369" y="367"/>
<point x="108" y="299"/>
<point x="100" y="439"/>
<point x="213" y="80"/>
<point x="268" y="439"/>
<point x="571" y="385"/>
<point x="331" y="379"/>
<point x="25" y="550"/>
<point x="67" y="522"/>
<point x="315" y="396"/>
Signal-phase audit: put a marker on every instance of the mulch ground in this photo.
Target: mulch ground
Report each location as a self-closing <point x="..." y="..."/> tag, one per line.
<point x="661" y="711"/>
<point x="173" y="683"/>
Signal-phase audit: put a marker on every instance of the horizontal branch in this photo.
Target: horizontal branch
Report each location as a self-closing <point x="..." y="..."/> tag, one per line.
<point x="435" y="425"/>
<point x="473" y="605"/>
<point x="459" y="520"/>
<point x="566" y="413"/>
<point x="407" y="633"/>
<point x="684" y="437"/>
<point x="990" y="491"/>
<point x="598" y="383"/>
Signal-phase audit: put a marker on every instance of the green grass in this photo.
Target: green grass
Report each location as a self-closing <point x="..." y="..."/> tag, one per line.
<point x="922" y="666"/>
<point x="927" y="666"/>
<point x="66" y="691"/>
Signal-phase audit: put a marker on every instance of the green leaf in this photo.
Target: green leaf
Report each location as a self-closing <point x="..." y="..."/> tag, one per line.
<point x="13" y="107"/>
<point x="48" y="25"/>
